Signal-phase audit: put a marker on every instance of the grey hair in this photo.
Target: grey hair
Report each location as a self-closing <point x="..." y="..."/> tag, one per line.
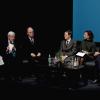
<point x="11" y="33"/>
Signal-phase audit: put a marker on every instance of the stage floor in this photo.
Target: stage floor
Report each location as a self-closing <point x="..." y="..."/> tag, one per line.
<point x="47" y="83"/>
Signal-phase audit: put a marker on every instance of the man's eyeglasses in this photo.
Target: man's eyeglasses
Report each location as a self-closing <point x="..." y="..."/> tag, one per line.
<point x="30" y="32"/>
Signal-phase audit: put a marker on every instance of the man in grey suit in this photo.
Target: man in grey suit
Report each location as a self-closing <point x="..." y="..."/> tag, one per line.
<point x="67" y="48"/>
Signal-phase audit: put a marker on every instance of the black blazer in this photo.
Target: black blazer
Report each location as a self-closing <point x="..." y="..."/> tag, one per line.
<point x="28" y="48"/>
<point x="69" y="49"/>
<point x="8" y="58"/>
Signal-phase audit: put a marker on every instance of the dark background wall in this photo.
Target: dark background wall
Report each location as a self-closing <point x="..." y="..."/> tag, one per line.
<point x="49" y="18"/>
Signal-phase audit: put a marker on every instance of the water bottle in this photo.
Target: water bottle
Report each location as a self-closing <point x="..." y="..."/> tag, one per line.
<point x="75" y="61"/>
<point x="49" y="60"/>
<point x="72" y="61"/>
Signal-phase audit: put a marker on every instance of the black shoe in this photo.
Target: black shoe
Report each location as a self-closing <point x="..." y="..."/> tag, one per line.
<point x="95" y="81"/>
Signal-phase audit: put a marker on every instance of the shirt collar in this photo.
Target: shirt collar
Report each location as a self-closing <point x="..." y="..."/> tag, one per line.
<point x="31" y="38"/>
<point x="10" y="41"/>
<point x="69" y="40"/>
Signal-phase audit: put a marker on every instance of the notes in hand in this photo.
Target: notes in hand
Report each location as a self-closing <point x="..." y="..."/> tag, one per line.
<point x="80" y="54"/>
<point x="11" y="46"/>
<point x="1" y="61"/>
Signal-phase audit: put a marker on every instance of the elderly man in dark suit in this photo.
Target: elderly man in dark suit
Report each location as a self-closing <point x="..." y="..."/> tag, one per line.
<point x="31" y="55"/>
<point x="9" y="54"/>
<point x="9" y="49"/>
<point x="30" y="46"/>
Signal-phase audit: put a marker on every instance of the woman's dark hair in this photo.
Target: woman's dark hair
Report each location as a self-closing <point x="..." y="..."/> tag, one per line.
<point x="90" y="34"/>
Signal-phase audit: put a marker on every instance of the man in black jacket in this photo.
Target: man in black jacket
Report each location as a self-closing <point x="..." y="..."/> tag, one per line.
<point x="10" y="53"/>
<point x="10" y="48"/>
<point x="30" y="46"/>
<point x="30" y="52"/>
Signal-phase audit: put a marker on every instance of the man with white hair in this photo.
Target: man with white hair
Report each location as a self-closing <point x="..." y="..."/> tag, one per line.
<point x="11" y="49"/>
<point x="9" y="54"/>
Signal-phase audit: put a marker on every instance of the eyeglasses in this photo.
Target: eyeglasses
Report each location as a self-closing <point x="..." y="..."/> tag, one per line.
<point x="30" y="32"/>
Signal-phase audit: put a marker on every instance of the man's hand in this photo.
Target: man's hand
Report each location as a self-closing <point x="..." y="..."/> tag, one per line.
<point x="10" y="47"/>
<point x="14" y="48"/>
<point x="33" y="55"/>
<point x="7" y="48"/>
<point x="39" y="54"/>
<point x="63" y="58"/>
<point x="85" y="52"/>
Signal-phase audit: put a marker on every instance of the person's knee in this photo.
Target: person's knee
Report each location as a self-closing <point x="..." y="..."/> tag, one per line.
<point x="98" y="58"/>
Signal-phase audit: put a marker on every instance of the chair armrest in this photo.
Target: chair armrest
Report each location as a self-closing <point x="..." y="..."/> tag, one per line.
<point x="90" y="63"/>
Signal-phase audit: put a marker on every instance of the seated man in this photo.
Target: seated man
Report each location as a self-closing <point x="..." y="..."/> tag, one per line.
<point x="30" y="47"/>
<point x="67" y="48"/>
<point x="9" y="49"/>
<point x="31" y="57"/>
<point x="9" y="54"/>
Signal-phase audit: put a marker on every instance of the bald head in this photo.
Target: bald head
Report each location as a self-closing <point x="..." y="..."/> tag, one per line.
<point x="30" y="32"/>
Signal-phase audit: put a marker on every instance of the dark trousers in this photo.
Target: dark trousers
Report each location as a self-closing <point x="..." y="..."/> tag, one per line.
<point x="97" y="61"/>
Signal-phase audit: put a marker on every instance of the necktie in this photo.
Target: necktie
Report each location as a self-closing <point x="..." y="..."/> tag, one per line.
<point x="67" y="42"/>
<point x="11" y="42"/>
<point x="32" y="40"/>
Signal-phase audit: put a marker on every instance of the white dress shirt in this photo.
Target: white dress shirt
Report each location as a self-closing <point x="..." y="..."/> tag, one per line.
<point x="68" y="41"/>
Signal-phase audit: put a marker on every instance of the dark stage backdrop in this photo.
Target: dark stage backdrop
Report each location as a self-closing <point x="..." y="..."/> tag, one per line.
<point x="49" y="18"/>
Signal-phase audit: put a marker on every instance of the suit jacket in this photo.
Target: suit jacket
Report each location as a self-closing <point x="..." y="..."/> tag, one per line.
<point x="9" y="58"/>
<point x="28" y="48"/>
<point x="69" y="49"/>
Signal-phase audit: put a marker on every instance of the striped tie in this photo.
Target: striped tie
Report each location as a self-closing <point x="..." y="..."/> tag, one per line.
<point x="67" y="42"/>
